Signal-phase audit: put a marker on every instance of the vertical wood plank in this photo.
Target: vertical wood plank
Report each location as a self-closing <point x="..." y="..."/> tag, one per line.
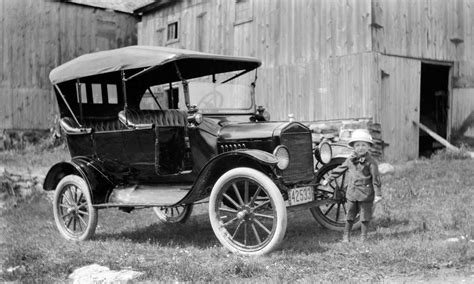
<point x="35" y="37"/>
<point x="463" y="106"/>
<point x="316" y="34"/>
<point x="2" y="41"/>
<point x="6" y="108"/>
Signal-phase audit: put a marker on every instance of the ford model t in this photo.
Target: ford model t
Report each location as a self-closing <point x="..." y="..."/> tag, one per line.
<point x="166" y="128"/>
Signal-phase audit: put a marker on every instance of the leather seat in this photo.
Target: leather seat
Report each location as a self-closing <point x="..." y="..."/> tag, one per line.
<point x="100" y="125"/>
<point x="169" y="117"/>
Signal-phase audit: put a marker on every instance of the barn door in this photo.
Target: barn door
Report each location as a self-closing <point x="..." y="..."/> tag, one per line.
<point x="400" y="105"/>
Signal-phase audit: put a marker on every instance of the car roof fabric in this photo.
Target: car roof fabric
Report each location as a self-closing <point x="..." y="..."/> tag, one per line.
<point x="141" y="57"/>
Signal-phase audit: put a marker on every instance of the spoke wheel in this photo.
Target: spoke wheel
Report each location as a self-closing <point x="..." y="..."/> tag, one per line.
<point x="75" y="217"/>
<point x="332" y="214"/>
<point x="247" y="212"/>
<point x="173" y="215"/>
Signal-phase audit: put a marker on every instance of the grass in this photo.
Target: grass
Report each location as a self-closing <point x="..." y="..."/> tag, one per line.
<point x="425" y="203"/>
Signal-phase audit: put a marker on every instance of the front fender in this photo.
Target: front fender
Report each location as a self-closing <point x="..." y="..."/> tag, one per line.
<point x="217" y="166"/>
<point x="257" y="155"/>
<point x="95" y="178"/>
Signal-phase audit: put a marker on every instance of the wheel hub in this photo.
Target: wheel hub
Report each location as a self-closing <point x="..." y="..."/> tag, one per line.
<point x="72" y="210"/>
<point x="242" y="214"/>
<point x="245" y="214"/>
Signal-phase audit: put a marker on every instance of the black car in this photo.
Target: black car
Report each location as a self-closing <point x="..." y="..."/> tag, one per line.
<point x="166" y="128"/>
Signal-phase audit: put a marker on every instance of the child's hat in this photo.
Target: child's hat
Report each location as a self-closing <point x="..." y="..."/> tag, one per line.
<point x="360" y="135"/>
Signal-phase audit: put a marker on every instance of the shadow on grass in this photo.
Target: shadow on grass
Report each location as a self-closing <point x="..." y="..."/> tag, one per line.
<point x="196" y="232"/>
<point x="303" y="234"/>
<point x="386" y="222"/>
<point x="399" y="234"/>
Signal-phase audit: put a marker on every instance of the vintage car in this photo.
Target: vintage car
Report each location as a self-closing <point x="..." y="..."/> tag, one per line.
<point x="162" y="128"/>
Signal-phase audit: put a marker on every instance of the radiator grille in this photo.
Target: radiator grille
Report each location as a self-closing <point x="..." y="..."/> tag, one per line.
<point x="298" y="141"/>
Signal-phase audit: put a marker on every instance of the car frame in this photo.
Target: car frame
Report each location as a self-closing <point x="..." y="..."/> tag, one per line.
<point x="250" y="170"/>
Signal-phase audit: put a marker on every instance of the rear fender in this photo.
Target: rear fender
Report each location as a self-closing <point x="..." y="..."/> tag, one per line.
<point x="95" y="178"/>
<point x="216" y="167"/>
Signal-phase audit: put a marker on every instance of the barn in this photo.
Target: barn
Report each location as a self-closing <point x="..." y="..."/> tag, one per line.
<point x="38" y="35"/>
<point x="398" y="63"/>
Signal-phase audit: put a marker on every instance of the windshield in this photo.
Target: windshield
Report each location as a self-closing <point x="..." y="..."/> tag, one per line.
<point x="211" y="94"/>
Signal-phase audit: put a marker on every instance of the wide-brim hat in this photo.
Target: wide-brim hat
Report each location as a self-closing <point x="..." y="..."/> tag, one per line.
<point x="360" y="135"/>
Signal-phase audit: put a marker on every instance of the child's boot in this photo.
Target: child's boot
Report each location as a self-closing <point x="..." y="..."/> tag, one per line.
<point x="347" y="232"/>
<point x="364" y="229"/>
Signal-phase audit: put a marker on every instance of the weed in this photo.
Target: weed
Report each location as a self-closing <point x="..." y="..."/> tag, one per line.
<point x="241" y="267"/>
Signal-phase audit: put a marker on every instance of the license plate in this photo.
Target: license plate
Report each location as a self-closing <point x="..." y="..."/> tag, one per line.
<point x="300" y="195"/>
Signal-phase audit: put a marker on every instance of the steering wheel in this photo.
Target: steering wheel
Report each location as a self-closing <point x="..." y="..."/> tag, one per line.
<point x="213" y="99"/>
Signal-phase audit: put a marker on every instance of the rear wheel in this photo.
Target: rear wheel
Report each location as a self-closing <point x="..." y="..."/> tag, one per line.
<point x="173" y="215"/>
<point x="247" y="212"/>
<point x="75" y="217"/>
<point x="332" y="214"/>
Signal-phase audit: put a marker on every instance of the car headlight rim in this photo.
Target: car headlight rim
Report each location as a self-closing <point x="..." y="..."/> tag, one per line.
<point x="324" y="152"/>
<point x="195" y="118"/>
<point x="283" y="155"/>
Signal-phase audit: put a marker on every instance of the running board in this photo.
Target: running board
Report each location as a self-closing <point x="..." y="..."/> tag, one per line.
<point x="147" y="195"/>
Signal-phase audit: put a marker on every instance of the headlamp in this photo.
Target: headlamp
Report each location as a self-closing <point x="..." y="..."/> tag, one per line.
<point x="324" y="152"/>
<point x="283" y="156"/>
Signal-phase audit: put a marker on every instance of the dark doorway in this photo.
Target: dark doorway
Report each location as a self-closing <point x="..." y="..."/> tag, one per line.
<point x="434" y="94"/>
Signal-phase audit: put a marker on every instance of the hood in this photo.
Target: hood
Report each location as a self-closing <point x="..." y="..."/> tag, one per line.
<point x="250" y="130"/>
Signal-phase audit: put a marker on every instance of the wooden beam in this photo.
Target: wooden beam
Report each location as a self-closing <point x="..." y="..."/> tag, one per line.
<point x="439" y="138"/>
<point x="436" y="136"/>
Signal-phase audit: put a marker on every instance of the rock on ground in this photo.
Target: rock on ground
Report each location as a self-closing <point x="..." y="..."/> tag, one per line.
<point x="386" y="168"/>
<point x="95" y="273"/>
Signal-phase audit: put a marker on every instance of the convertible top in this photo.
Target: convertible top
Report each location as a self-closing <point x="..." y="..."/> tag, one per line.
<point x="141" y="57"/>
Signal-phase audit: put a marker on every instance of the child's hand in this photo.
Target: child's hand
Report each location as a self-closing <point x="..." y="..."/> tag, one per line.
<point x="377" y="199"/>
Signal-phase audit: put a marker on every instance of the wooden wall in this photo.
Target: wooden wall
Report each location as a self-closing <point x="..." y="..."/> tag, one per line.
<point x="439" y="30"/>
<point x="331" y="88"/>
<point x="315" y="53"/>
<point x="279" y="33"/>
<point x="38" y="35"/>
<point x="463" y="107"/>
<point x="332" y="59"/>
<point x="428" y="29"/>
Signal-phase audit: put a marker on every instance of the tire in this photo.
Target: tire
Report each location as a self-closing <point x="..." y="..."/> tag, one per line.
<point x="332" y="215"/>
<point x="74" y="214"/>
<point x="256" y="222"/>
<point x="173" y="215"/>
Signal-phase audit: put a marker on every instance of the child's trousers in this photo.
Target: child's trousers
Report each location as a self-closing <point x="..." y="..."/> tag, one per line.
<point x="354" y="207"/>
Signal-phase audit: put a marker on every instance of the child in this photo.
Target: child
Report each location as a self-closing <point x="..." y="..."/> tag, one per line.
<point x="364" y="187"/>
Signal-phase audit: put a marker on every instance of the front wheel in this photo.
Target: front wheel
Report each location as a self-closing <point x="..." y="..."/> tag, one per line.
<point x="247" y="212"/>
<point x="332" y="214"/>
<point x="173" y="215"/>
<point x="74" y="214"/>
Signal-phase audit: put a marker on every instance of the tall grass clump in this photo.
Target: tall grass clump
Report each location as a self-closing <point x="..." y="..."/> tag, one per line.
<point x="447" y="154"/>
